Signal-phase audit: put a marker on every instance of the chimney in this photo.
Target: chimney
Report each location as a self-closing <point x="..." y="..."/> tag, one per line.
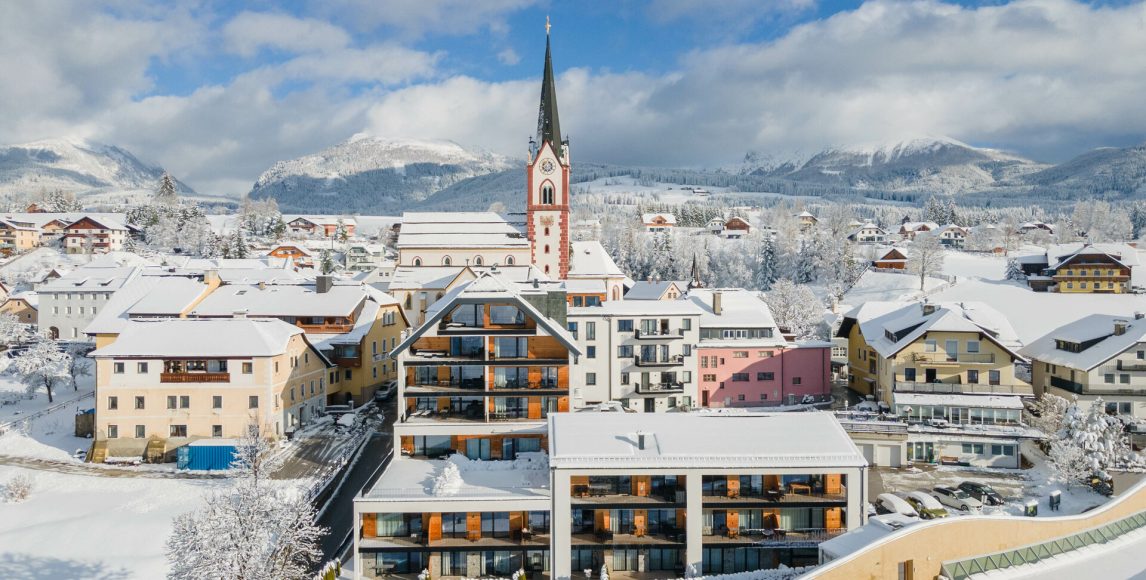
<point x="928" y="309"/>
<point x="239" y="314"/>
<point x="1120" y="327"/>
<point x="716" y="302"/>
<point x="262" y="285"/>
<point x="1139" y="315"/>
<point x="211" y="278"/>
<point x="323" y="283"/>
<point x="641" y="440"/>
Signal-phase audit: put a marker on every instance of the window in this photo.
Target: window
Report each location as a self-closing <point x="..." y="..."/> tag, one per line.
<point x="1108" y="378"/>
<point x="686" y="324"/>
<point x="113" y="431"/>
<point x="625" y="325"/>
<point x="624" y="378"/>
<point x="765" y="376"/>
<point x="797" y="380"/>
<point x="117" y="368"/>
<point x="590" y="331"/>
<point x="112" y="403"/>
<point x="546" y="248"/>
<point x="253" y="402"/>
<point x="347" y="373"/>
<point x="217" y="402"/>
<point x="930" y="346"/>
<point x="140" y="432"/>
<point x="590" y="378"/>
<point x="739" y="397"/>
<point x="710" y="378"/>
<point x="739" y="354"/>
<point x="509" y="260"/>
<point x="590" y="352"/>
<point x="446" y="261"/>
<point x="686" y="376"/>
<point x="739" y="377"/>
<point x="972" y="346"/>
<point x="216" y="431"/>
<point x="184" y="402"/>
<point x="1124" y="379"/>
<point x="138" y="402"/>
<point x="764" y="354"/>
<point x="686" y="350"/>
<point x="172" y="401"/>
<point x="141" y="368"/>
<point x="178" y="430"/>
<point x="625" y="351"/>
<point x="572" y="326"/>
<point x="248" y="368"/>
<point x="994" y="377"/>
<point x="909" y="374"/>
<point x="547" y="196"/>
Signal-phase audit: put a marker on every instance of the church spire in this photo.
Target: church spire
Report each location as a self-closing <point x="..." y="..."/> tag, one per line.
<point x="548" y="125"/>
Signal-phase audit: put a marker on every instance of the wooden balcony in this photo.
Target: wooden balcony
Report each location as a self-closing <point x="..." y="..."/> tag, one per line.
<point x="194" y="377"/>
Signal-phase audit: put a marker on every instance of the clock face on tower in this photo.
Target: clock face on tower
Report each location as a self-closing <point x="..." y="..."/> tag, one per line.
<point x="547" y="166"/>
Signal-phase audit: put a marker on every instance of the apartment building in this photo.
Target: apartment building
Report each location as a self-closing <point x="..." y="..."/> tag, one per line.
<point x="744" y="360"/>
<point x="173" y="381"/>
<point x="96" y="235"/>
<point x="1097" y="356"/>
<point x="673" y="495"/>
<point x="476" y="382"/>
<point x="641" y="353"/>
<point x="17" y="236"/>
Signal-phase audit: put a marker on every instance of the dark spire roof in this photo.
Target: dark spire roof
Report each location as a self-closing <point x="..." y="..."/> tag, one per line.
<point x="548" y="125"/>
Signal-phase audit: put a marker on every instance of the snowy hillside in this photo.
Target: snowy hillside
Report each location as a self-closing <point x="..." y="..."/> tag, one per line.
<point x="75" y="165"/>
<point x="933" y="164"/>
<point x="373" y="174"/>
<point x="1099" y="172"/>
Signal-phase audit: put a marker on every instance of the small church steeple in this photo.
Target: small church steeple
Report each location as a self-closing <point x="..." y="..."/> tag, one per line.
<point x="548" y="124"/>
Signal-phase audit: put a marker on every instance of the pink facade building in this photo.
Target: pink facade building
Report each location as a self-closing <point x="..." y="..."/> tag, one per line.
<point x="743" y="359"/>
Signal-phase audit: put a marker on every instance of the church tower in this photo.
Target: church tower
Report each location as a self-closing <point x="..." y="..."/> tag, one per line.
<point x="547" y="183"/>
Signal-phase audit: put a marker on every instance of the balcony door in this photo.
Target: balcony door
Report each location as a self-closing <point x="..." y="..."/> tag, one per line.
<point x="930" y="376"/>
<point x="478" y="449"/>
<point x="952" y="348"/>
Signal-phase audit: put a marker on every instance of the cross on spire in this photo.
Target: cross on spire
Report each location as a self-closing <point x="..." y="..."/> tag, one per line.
<point x="547" y="25"/>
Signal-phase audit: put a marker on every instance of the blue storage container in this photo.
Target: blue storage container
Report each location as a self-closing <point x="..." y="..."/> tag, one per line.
<point x="206" y="455"/>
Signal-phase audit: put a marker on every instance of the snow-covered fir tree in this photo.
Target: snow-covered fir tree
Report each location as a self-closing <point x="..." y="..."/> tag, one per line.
<point x="1014" y="271"/>
<point x="1100" y="437"/>
<point x="166" y="192"/>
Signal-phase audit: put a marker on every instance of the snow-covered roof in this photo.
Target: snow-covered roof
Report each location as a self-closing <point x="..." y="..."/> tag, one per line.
<point x="913" y="226"/>
<point x="1057" y="255"/>
<point x="459" y="230"/>
<point x="417" y="480"/>
<point x="29" y="296"/>
<point x="653" y="290"/>
<point x="88" y="279"/>
<point x="321" y="220"/>
<point x="650" y="218"/>
<point x="739" y="308"/>
<point x="362" y="326"/>
<point x="589" y="259"/>
<point x="857" y="539"/>
<point x="170" y="296"/>
<point x="907" y="321"/>
<point x="958" y="400"/>
<point x="440" y="277"/>
<point x="698" y="440"/>
<point x="275" y="300"/>
<point x="585" y="286"/>
<point x="201" y="338"/>
<point x="1099" y="327"/>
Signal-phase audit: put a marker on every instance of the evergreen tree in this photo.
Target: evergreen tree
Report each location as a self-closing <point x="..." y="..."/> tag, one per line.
<point x="166" y="193"/>
<point x="766" y="263"/>
<point x="237" y="248"/>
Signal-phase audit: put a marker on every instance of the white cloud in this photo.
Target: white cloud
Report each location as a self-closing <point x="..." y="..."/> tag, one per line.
<point x="508" y="57"/>
<point x="249" y="32"/>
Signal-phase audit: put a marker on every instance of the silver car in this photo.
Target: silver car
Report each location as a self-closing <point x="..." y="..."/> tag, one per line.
<point x="957" y="498"/>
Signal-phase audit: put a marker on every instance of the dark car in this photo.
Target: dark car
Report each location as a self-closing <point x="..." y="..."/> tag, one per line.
<point x="982" y="492"/>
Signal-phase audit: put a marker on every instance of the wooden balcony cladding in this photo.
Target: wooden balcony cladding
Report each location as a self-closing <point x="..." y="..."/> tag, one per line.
<point x="327" y="328"/>
<point x="194" y="377"/>
<point x="547" y="347"/>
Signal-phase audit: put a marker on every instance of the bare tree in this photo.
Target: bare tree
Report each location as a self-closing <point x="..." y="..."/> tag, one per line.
<point x="926" y="257"/>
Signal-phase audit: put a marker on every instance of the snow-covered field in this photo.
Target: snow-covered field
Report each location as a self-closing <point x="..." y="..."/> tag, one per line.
<point x="84" y="526"/>
<point x="50" y="436"/>
<point x="880" y="286"/>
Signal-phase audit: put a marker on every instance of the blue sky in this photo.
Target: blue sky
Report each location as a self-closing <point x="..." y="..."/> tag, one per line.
<point x="218" y="91"/>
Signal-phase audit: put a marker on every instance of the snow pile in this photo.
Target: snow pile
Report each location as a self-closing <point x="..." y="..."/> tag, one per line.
<point x="448" y="482"/>
<point x="534" y="460"/>
<point x="347" y="420"/>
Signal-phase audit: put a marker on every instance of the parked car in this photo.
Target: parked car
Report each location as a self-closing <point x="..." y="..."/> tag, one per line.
<point x="956" y="498"/>
<point x="889" y="503"/>
<point x="386" y="391"/>
<point x="982" y="492"/>
<point x="928" y="507"/>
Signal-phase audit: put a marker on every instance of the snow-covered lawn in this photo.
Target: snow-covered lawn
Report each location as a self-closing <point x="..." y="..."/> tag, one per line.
<point x="50" y="436"/>
<point x="81" y="526"/>
<point x="885" y="286"/>
<point x="967" y="265"/>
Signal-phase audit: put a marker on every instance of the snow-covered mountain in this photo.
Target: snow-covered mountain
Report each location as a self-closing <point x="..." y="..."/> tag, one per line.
<point x="372" y="174"/>
<point x="1099" y="172"/>
<point x="82" y="167"/>
<point x="934" y="164"/>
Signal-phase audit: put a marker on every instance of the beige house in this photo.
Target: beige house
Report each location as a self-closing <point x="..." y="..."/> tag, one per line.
<point x="22" y="305"/>
<point x="920" y="347"/>
<point x="1098" y="356"/>
<point x="164" y="383"/>
<point x="17" y="237"/>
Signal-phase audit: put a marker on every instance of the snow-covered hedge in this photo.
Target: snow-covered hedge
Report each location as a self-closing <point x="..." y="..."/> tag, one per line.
<point x="17" y="489"/>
